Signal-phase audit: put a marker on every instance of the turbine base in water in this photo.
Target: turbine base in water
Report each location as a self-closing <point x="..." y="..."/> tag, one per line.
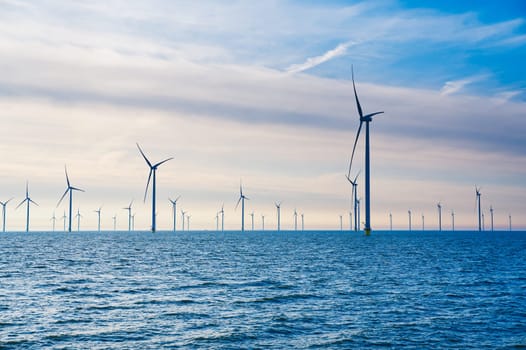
<point x="367" y="231"/>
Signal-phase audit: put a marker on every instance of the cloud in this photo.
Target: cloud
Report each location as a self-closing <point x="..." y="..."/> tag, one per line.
<point x="312" y="62"/>
<point x="454" y="86"/>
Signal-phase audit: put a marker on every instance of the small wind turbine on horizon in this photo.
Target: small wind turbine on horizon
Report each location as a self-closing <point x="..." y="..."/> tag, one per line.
<point x="423" y="224"/>
<point x="302" y="222"/>
<point x="439" y="207"/>
<point x="262" y="222"/>
<point x="222" y="217"/>
<point x="491" y="216"/>
<point x="409" y="213"/>
<point x="217" y="221"/>
<point x="4" y="204"/>
<point x="133" y="221"/>
<point x="64" y="217"/>
<point x="367" y="119"/>
<point x="252" y="216"/>
<point x="295" y="220"/>
<point x="98" y="218"/>
<point x="350" y="221"/>
<point x="28" y="200"/>
<point x="174" y="210"/>
<point x="53" y="219"/>
<point x="241" y="199"/>
<point x="509" y="220"/>
<point x="114" y="222"/>
<point x="483" y="225"/>
<point x="354" y="196"/>
<point x="452" y="220"/>
<point x="391" y="221"/>
<point x="183" y="213"/>
<point x="478" y="194"/>
<point x="69" y="189"/>
<point x="278" y="208"/>
<point x="153" y="170"/>
<point x="78" y="216"/>
<point x="188" y="222"/>
<point x="341" y="223"/>
<point x="129" y="209"/>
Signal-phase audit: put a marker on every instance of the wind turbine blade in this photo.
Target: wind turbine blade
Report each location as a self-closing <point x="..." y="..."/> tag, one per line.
<point x="354" y="147"/>
<point x="61" y="198"/>
<point x="67" y="178"/>
<point x="146" y="159"/>
<point x="356" y="95"/>
<point x="32" y="201"/>
<point x="148" y="184"/>
<point x="246" y="198"/>
<point x="356" y="178"/>
<point x="77" y="189"/>
<point x="27" y="189"/>
<point x="164" y="161"/>
<point x="239" y="200"/>
<point x="177" y="198"/>
<point x="21" y="203"/>
<point x="10" y="199"/>
<point x="131" y="204"/>
<point x="373" y="114"/>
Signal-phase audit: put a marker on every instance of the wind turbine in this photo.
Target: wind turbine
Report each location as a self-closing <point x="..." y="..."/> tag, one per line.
<point x="295" y="220"/>
<point x="69" y="189"/>
<point x="350" y="220"/>
<point x="133" y="221"/>
<point x="491" y="213"/>
<point x="78" y="216"/>
<point x="452" y="220"/>
<point x="354" y="195"/>
<point x="478" y="194"/>
<point x="217" y="221"/>
<point x="64" y="217"/>
<point x="174" y="209"/>
<point x="4" y="212"/>
<point x="423" y="226"/>
<point x="509" y="220"/>
<point x="439" y="206"/>
<point x="114" y="222"/>
<point x="278" y="207"/>
<point x="241" y="199"/>
<point x="357" y="215"/>
<point x="483" y="226"/>
<point x="409" y="213"/>
<point x="182" y="215"/>
<point x="252" y="215"/>
<point x="54" y="219"/>
<point x="341" y="223"/>
<point x="262" y="222"/>
<point x="129" y="209"/>
<point x="367" y="119"/>
<point x="391" y="221"/>
<point x="222" y="218"/>
<point x="28" y="200"/>
<point x="302" y="222"/>
<point x="98" y="217"/>
<point x="188" y="222"/>
<point x="153" y="170"/>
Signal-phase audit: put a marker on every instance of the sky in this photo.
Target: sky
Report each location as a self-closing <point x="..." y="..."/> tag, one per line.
<point x="261" y="92"/>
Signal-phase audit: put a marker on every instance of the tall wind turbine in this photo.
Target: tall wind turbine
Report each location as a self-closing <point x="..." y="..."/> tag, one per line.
<point x="129" y="209"/>
<point x="78" y="216"/>
<point x="491" y="213"/>
<point x="4" y="212"/>
<point x="153" y="170"/>
<point x="69" y="189"/>
<point x="367" y="119"/>
<point x="278" y="207"/>
<point x="295" y="220"/>
<point x="452" y="220"/>
<point x="64" y="217"/>
<point x="28" y="200"/>
<point x="98" y="217"/>
<point x="54" y="219"/>
<point x="439" y="206"/>
<point x="174" y="209"/>
<point x="409" y="213"/>
<point x="478" y="194"/>
<point x="354" y="196"/>
<point x="241" y="199"/>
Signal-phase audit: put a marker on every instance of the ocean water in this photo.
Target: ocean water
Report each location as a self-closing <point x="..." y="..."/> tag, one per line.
<point x="207" y="290"/>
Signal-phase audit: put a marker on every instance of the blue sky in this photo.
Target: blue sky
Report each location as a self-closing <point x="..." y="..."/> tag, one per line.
<point x="261" y="91"/>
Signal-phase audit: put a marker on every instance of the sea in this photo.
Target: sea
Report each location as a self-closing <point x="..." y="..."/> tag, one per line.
<point x="263" y="290"/>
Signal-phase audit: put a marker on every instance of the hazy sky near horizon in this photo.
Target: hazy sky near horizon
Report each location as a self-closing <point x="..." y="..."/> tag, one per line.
<point x="261" y="91"/>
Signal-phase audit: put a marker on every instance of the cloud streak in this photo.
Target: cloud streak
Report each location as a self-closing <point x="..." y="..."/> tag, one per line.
<point x="312" y="62"/>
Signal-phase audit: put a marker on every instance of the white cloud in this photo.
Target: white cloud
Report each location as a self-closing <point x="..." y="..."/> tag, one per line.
<point x="454" y="86"/>
<point x="312" y="62"/>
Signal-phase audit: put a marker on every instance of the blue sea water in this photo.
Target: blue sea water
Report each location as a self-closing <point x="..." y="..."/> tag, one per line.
<point x="326" y="290"/>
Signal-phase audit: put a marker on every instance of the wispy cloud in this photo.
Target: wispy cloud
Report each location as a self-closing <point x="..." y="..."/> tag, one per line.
<point x="454" y="86"/>
<point x="312" y="62"/>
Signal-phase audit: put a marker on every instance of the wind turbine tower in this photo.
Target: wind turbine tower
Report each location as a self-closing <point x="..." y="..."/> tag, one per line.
<point x="78" y="216"/>
<point x="153" y="170"/>
<point x="263" y="222"/>
<point x="129" y="209"/>
<point x="302" y="222"/>
<point x="28" y="200"/>
<point x="295" y="220"/>
<point x="341" y="223"/>
<point x="439" y="206"/>
<point x="54" y="219"/>
<point x="174" y="210"/>
<point x="409" y="213"/>
<point x="98" y="217"/>
<point x="423" y="226"/>
<point x="183" y="213"/>
<point x="367" y="119"/>
<point x="64" y="217"/>
<point x="491" y="216"/>
<point x="391" y="221"/>
<point x="69" y="189"/>
<point x="354" y="196"/>
<point x="452" y="220"/>
<point x="252" y="216"/>
<point x="114" y="222"/>
<point x="241" y="199"/>
<point x="278" y="207"/>
<point x="4" y="212"/>
<point x="478" y="194"/>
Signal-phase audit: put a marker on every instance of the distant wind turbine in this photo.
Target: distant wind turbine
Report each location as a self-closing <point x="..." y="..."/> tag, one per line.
<point x="367" y="119"/>
<point x="53" y="219"/>
<point x="357" y="215"/>
<point x="478" y="194"/>
<point x="28" y="200"/>
<point x="217" y="221"/>
<point x="188" y="222"/>
<point x="78" y="216"/>
<point x="350" y="220"/>
<point x="129" y="209"/>
<point x="423" y="225"/>
<point x="64" y="217"/>
<point x="69" y="189"/>
<point x="491" y="214"/>
<point x="278" y="207"/>
<point x="391" y="221"/>
<point x="439" y="207"/>
<point x="483" y="225"/>
<point x="295" y="220"/>
<point x="262" y="222"/>
<point x="452" y="220"/>
<point x="509" y="220"/>
<point x="409" y="213"/>
<point x="153" y="170"/>
<point x="182" y="215"/>
<point x="98" y="217"/>
<point x="174" y="210"/>
<point x="241" y="199"/>
<point x="341" y="223"/>
<point x="302" y="222"/>
<point x="354" y="195"/>
<point x="114" y="222"/>
<point x="4" y="212"/>
<point x="252" y="215"/>
<point x="133" y="221"/>
<point x="222" y="218"/>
